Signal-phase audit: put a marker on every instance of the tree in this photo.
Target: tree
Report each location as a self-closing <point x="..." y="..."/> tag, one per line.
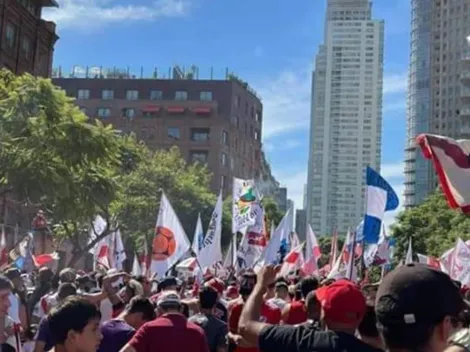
<point x="325" y="247"/>
<point x="272" y="212"/>
<point x="432" y="226"/>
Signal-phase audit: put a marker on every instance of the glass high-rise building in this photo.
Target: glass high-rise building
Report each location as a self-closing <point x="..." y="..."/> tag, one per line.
<point x="346" y="116"/>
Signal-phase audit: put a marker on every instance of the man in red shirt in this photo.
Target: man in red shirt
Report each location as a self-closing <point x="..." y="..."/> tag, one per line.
<point x="170" y="332"/>
<point x="295" y="313"/>
<point x="269" y="314"/>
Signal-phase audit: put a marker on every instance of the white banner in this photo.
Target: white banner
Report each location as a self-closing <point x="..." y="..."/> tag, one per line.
<point x="461" y="263"/>
<point x="244" y="201"/>
<point x="211" y="252"/>
<point x="253" y="242"/>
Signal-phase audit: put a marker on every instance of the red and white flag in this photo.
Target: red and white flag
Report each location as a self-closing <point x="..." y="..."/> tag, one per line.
<point x="460" y="269"/>
<point x="293" y="260"/>
<point x="3" y="249"/>
<point x="334" y="248"/>
<point x="451" y="160"/>
<point x="44" y="259"/>
<point x="428" y="260"/>
<point x="312" y="253"/>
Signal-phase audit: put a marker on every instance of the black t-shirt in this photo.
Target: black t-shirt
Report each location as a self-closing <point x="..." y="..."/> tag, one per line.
<point x="216" y="330"/>
<point x="4" y="347"/>
<point x="302" y="339"/>
<point x="221" y="311"/>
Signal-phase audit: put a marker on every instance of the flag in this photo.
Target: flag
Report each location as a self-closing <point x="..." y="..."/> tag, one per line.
<point x="378" y="253"/>
<point x="334" y="248"/>
<point x="119" y="251"/>
<point x="312" y="253"/>
<point x="380" y="198"/>
<point x="231" y="256"/>
<point x="198" y="239"/>
<point x="254" y="241"/>
<point x="428" y="260"/>
<point x="409" y="253"/>
<point x="293" y="260"/>
<point x="211" y="252"/>
<point x="45" y="259"/>
<point x="244" y="199"/>
<point x="460" y="270"/>
<point x="170" y="242"/>
<point x="136" y="267"/>
<point x="187" y="265"/>
<point x="452" y="163"/>
<point x="22" y="254"/>
<point x="3" y="249"/>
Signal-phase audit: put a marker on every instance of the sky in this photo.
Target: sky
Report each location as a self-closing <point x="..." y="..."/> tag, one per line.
<point x="269" y="44"/>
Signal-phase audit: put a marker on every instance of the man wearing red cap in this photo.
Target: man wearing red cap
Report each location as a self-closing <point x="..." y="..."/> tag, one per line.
<point x="342" y="309"/>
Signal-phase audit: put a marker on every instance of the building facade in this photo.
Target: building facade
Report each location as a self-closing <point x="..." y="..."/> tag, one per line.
<point x="27" y="42"/>
<point x="213" y="122"/>
<point x="346" y="118"/>
<point x="301" y="224"/>
<point x="438" y="99"/>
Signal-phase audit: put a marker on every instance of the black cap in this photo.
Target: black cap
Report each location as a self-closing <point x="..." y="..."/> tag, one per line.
<point x="417" y="294"/>
<point x="167" y="282"/>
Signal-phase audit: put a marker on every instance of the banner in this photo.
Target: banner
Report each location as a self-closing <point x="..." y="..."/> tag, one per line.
<point x="253" y="242"/>
<point x="460" y="270"/>
<point x="211" y="252"/>
<point x="244" y="204"/>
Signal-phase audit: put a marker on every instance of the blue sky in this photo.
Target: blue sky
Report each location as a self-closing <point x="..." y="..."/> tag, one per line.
<point x="270" y="44"/>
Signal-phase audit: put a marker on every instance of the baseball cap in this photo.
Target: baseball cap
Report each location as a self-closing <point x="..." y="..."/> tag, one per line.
<point x="417" y="294"/>
<point x="169" y="298"/>
<point x="217" y="284"/>
<point x="342" y="302"/>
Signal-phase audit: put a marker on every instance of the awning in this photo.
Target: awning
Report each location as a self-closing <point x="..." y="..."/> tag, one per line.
<point x="151" y="108"/>
<point x="201" y="109"/>
<point x="175" y="109"/>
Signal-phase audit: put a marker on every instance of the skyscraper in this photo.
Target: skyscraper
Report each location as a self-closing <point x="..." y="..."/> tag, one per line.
<point x="437" y="102"/>
<point x="346" y="116"/>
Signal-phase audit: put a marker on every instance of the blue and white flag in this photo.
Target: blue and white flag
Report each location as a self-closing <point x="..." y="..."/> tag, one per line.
<point x="380" y="198"/>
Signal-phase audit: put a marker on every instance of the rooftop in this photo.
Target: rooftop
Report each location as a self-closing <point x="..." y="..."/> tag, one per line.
<point x="49" y="3"/>
<point x="173" y="73"/>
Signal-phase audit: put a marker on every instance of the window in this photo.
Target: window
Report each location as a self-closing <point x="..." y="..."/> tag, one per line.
<point x="83" y="94"/>
<point x="222" y="182"/>
<point x="199" y="156"/>
<point x="107" y="94"/>
<point x="181" y="95"/>
<point x="237" y="101"/>
<point x="10" y="35"/>
<point x="26" y="48"/>
<point x="149" y="114"/>
<point x="223" y="159"/>
<point x="104" y="112"/>
<point x="224" y="137"/>
<point x="258" y="116"/>
<point x="132" y="94"/>
<point x="129" y="113"/>
<point x="174" y="133"/>
<point x="257" y="135"/>
<point x="235" y="121"/>
<point x="156" y="95"/>
<point x="200" y="134"/>
<point x="206" y="96"/>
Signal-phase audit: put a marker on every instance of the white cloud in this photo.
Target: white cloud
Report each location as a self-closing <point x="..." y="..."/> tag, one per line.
<point x="84" y="14"/>
<point x="395" y="83"/>
<point x="394" y="170"/>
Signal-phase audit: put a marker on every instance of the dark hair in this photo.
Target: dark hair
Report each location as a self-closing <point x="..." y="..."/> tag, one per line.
<point x="74" y="313"/>
<point x="208" y="297"/>
<point x="308" y="285"/>
<point x="5" y="283"/>
<point x="66" y="289"/>
<point x="402" y="336"/>
<point x="247" y="283"/>
<point x="140" y="304"/>
<point x="368" y="325"/>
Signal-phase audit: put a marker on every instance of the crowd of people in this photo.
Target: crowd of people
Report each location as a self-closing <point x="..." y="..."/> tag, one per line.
<point x="414" y="308"/>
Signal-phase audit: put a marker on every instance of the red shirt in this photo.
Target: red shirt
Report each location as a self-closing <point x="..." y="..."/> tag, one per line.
<point x="269" y="314"/>
<point x="170" y="333"/>
<point x="297" y="313"/>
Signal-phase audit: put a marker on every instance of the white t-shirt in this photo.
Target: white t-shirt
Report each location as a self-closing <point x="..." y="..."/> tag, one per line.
<point x="45" y="304"/>
<point x="106" y="309"/>
<point x="278" y="302"/>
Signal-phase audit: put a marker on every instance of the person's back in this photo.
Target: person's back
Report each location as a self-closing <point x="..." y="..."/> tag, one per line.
<point x="214" y="328"/>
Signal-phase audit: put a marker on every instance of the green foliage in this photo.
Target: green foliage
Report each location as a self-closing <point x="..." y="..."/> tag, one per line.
<point x="433" y="227"/>
<point x="325" y="247"/>
<point x="272" y="212"/>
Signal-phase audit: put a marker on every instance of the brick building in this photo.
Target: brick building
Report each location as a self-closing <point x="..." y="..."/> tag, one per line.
<point x="216" y="122"/>
<point x="27" y="42"/>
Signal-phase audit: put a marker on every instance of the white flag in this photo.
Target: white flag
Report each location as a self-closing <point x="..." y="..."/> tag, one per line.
<point x="244" y="198"/>
<point x="211" y="252"/>
<point x="312" y="253"/>
<point x="293" y="260"/>
<point x="136" y="267"/>
<point x="229" y="257"/>
<point x="170" y="242"/>
<point x="119" y="251"/>
<point x="253" y="242"/>
<point x="461" y="263"/>
<point x="409" y="253"/>
<point x="198" y="239"/>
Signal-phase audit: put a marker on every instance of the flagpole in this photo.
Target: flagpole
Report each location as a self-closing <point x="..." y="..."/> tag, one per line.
<point x="352" y="254"/>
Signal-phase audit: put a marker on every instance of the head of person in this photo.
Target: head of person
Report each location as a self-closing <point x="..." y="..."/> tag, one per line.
<point x="313" y="306"/>
<point x="45" y="276"/>
<point x="415" y="308"/>
<point x="74" y="324"/>
<point x="85" y="283"/>
<point x="168" y="284"/>
<point x="5" y="290"/>
<point x="65" y="290"/>
<point x="139" y="311"/>
<point x="342" y="306"/>
<point x="169" y="302"/>
<point x="208" y="298"/>
<point x="232" y="292"/>
<point x="146" y="284"/>
<point x="67" y="275"/>
<point x="247" y="284"/>
<point x="368" y="329"/>
<point x="14" y="275"/>
<point x="217" y="285"/>
<point x="308" y="285"/>
<point x="281" y="290"/>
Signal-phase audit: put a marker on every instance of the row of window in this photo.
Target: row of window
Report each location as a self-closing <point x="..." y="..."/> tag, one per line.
<point x="132" y="94"/>
<point x="10" y="41"/>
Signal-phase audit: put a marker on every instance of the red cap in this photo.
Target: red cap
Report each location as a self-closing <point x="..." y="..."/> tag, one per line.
<point x="232" y="291"/>
<point x="216" y="284"/>
<point x="342" y="302"/>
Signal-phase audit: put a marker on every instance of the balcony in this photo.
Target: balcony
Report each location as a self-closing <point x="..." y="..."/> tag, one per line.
<point x="465" y="92"/>
<point x="465" y="111"/>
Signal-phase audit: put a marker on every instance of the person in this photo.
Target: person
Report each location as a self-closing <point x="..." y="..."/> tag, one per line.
<point x="44" y="339"/>
<point x="169" y="284"/>
<point x="215" y="329"/>
<point x="5" y="291"/>
<point x="368" y="329"/>
<point x="221" y="310"/>
<point x="170" y="332"/>
<point x="281" y="294"/>
<point x="18" y="309"/>
<point x="43" y="287"/>
<point x="343" y="307"/>
<point x="74" y="324"/>
<point x="269" y="314"/>
<point x="313" y="308"/>
<point x="415" y="307"/>
<point x="117" y="332"/>
<point x="295" y="312"/>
